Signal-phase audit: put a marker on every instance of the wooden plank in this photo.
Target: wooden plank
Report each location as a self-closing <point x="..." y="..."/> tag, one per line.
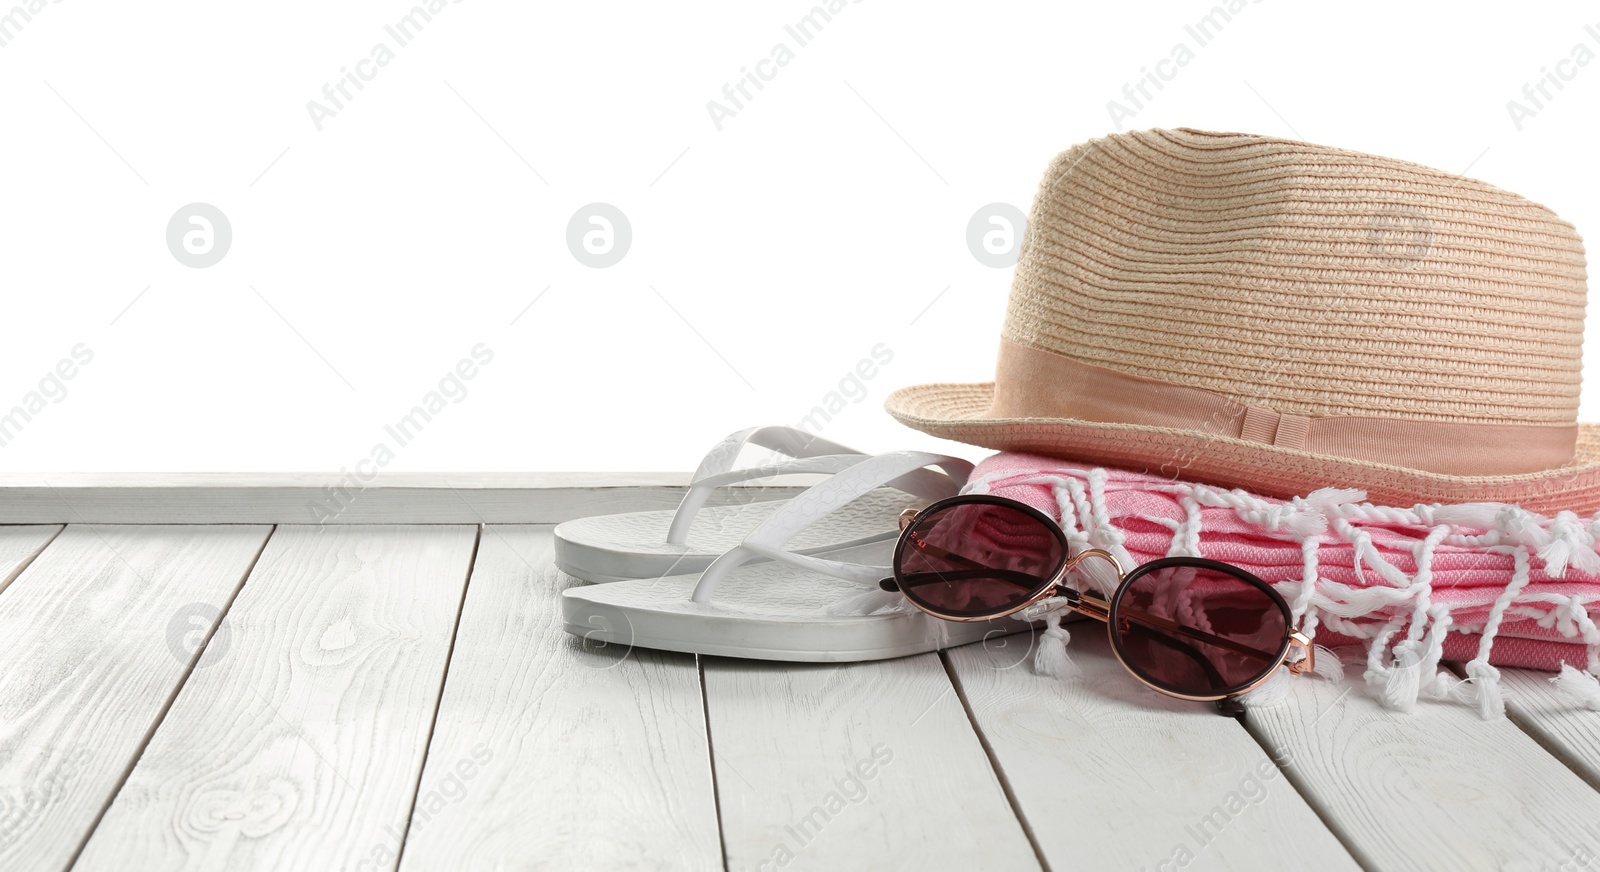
<point x="19" y="546"/>
<point x="854" y="766"/>
<point x="299" y="746"/>
<point x="334" y="498"/>
<point x="77" y="481"/>
<point x="1112" y="775"/>
<point x="549" y="756"/>
<point x="1439" y="788"/>
<point x="100" y="630"/>
<point x="1569" y="732"/>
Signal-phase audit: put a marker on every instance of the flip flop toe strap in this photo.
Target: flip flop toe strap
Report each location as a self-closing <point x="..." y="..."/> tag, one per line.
<point x="810" y="453"/>
<point x="858" y="479"/>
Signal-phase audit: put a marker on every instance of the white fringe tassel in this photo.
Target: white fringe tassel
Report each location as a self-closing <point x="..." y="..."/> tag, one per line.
<point x="1280" y="685"/>
<point x="1579" y="687"/>
<point x="1273" y="691"/>
<point x="1485" y="681"/>
<point x="1328" y="666"/>
<point x="1052" y="658"/>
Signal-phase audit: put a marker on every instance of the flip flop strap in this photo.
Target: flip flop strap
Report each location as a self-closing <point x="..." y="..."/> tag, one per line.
<point x="717" y="467"/>
<point x="862" y="478"/>
<point x="700" y="491"/>
<point x="789" y="441"/>
<point x="812" y="454"/>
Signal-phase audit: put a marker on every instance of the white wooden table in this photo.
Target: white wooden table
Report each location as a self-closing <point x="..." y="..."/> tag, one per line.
<point x="197" y="678"/>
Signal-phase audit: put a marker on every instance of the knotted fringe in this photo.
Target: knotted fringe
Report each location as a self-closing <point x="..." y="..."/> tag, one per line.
<point x="1051" y="657"/>
<point x="1485" y="681"/>
<point x="1396" y="684"/>
<point x="1399" y="672"/>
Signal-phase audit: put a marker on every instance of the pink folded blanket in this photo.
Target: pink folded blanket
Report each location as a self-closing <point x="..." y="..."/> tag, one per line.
<point x="1485" y="583"/>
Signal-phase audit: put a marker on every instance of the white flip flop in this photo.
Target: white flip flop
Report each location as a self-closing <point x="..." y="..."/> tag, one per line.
<point x="653" y="544"/>
<point x="795" y="607"/>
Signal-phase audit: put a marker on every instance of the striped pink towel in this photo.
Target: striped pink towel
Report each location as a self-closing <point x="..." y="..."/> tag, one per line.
<point x="1486" y="583"/>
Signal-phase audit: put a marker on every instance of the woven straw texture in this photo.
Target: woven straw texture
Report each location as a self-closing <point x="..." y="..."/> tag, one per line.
<point x="1298" y="278"/>
<point x="1308" y="279"/>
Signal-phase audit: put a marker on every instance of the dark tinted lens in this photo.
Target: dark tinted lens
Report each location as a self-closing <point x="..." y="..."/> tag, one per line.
<point x="1198" y="631"/>
<point x="971" y="559"/>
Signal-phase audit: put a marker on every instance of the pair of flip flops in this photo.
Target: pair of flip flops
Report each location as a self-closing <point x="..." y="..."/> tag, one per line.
<point x="776" y="580"/>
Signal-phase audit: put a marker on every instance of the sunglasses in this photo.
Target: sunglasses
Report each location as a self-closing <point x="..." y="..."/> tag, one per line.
<point x="1187" y="627"/>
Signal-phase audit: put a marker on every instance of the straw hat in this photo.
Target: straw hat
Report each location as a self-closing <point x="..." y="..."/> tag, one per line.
<point x="1279" y="316"/>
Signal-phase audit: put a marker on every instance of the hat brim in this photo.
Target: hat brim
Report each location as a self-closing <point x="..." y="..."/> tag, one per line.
<point x="961" y="412"/>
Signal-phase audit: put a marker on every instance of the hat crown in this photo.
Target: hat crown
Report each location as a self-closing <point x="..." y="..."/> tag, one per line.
<point x="1309" y="280"/>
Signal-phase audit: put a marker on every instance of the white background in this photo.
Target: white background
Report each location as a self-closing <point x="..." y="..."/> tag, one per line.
<point x="770" y="257"/>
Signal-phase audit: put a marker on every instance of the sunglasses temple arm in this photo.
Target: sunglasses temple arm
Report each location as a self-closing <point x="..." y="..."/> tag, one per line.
<point x="929" y="547"/>
<point x="1019" y="579"/>
<point x="1186" y="650"/>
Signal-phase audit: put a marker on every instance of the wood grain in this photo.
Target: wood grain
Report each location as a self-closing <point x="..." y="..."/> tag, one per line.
<point x="1439" y="788"/>
<point x="1112" y="775"/>
<point x="99" y="631"/>
<point x="1569" y="732"/>
<point x="300" y="745"/>
<point x="854" y="766"/>
<point x="550" y="756"/>
<point x="19" y="546"/>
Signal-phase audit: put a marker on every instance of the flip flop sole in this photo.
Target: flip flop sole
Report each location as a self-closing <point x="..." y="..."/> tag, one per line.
<point x="614" y="628"/>
<point x="768" y="611"/>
